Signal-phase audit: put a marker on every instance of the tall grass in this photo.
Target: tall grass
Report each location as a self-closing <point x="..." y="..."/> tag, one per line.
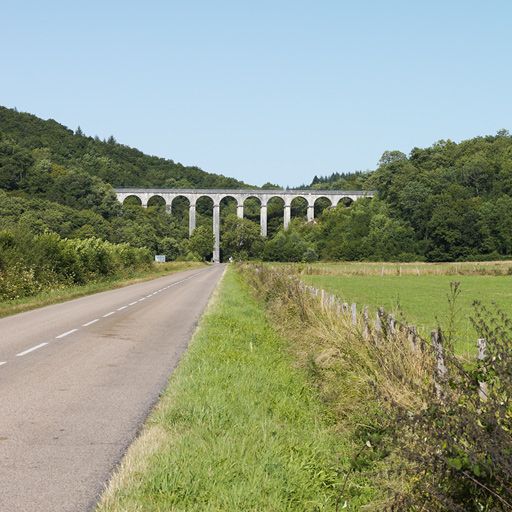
<point x="420" y="440"/>
<point x="487" y="268"/>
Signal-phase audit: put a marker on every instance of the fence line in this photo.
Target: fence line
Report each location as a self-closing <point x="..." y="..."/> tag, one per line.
<point x="386" y="325"/>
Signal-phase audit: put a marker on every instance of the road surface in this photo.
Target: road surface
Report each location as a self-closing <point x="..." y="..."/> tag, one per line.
<point x="77" y="381"/>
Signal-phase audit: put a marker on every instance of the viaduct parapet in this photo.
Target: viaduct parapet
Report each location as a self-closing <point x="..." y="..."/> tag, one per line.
<point x="144" y="195"/>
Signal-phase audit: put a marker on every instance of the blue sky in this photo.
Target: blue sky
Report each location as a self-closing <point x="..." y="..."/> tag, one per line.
<point x="265" y="90"/>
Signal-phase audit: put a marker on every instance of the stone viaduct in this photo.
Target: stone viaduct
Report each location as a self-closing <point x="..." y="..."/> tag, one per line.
<point x="287" y="196"/>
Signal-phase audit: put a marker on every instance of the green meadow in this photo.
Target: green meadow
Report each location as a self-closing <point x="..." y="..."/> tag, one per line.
<point x="418" y="294"/>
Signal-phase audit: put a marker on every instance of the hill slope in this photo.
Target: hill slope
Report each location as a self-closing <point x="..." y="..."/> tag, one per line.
<point x="451" y="200"/>
<point x="52" y="179"/>
<point x="114" y="163"/>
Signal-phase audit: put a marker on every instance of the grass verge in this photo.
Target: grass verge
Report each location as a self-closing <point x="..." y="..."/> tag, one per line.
<point x="239" y="427"/>
<point x="64" y="293"/>
<point x="427" y="430"/>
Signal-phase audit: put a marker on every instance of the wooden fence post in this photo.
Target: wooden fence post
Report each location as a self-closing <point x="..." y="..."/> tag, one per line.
<point x="482" y="354"/>
<point x="354" y="313"/>
<point x="366" y="324"/>
<point x="411" y="335"/>
<point x="391" y="324"/>
<point x="382" y="322"/>
<point x="441" y="370"/>
<point x="378" y="325"/>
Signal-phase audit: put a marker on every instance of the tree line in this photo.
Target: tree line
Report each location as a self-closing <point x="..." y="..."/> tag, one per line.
<point x="451" y="201"/>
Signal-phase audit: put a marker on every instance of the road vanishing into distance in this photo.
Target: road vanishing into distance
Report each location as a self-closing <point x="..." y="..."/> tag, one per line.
<point x="77" y="381"/>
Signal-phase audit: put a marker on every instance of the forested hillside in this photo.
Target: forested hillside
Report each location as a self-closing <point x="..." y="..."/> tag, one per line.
<point x="60" y="222"/>
<point x="31" y="140"/>
<point x="54" y="179"/>
<point x="451" y="201"/>
<point x="446" y="202"/>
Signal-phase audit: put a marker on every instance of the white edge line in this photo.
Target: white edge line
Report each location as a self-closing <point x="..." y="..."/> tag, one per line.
<point x="90" y="323"/>
<point x="109" y="314"/>
<point x="121" y="308"/>
<point x="2" y="363"/>
<point x="132" y="303"/>
<point x="31" y="349"/>
<point x="64" y="334"/>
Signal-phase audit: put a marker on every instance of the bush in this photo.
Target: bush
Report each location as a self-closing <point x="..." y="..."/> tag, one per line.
<point x="460" y="444"/>
<point x="289" y="246"/>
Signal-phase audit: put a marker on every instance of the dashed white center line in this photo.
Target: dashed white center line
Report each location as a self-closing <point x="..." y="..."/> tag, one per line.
<point x="31" y="349"/>
<point x="90" y="323"/>
<point x="64" y="334"/>
<point x="87" y="324"/>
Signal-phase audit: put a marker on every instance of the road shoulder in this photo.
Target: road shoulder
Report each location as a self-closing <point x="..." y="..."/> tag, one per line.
<point x="238" y="428"/>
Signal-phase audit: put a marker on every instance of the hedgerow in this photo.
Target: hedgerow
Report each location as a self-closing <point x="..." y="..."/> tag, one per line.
<point x="32" y="263"/>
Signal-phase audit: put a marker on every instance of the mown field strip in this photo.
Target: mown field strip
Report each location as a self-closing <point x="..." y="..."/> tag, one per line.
<point x="238" y="428"/>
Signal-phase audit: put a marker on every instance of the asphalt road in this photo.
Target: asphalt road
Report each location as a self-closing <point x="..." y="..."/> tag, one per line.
<point x="77" y="381"/>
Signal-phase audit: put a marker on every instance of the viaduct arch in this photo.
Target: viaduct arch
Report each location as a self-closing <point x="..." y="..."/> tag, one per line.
<point x="240" y="195"/>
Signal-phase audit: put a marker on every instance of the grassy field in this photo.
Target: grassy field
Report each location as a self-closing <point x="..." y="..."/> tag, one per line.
<point x="421" y="296"/>
<point x="239" y="427"/>
<point x="64" y="293"/>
